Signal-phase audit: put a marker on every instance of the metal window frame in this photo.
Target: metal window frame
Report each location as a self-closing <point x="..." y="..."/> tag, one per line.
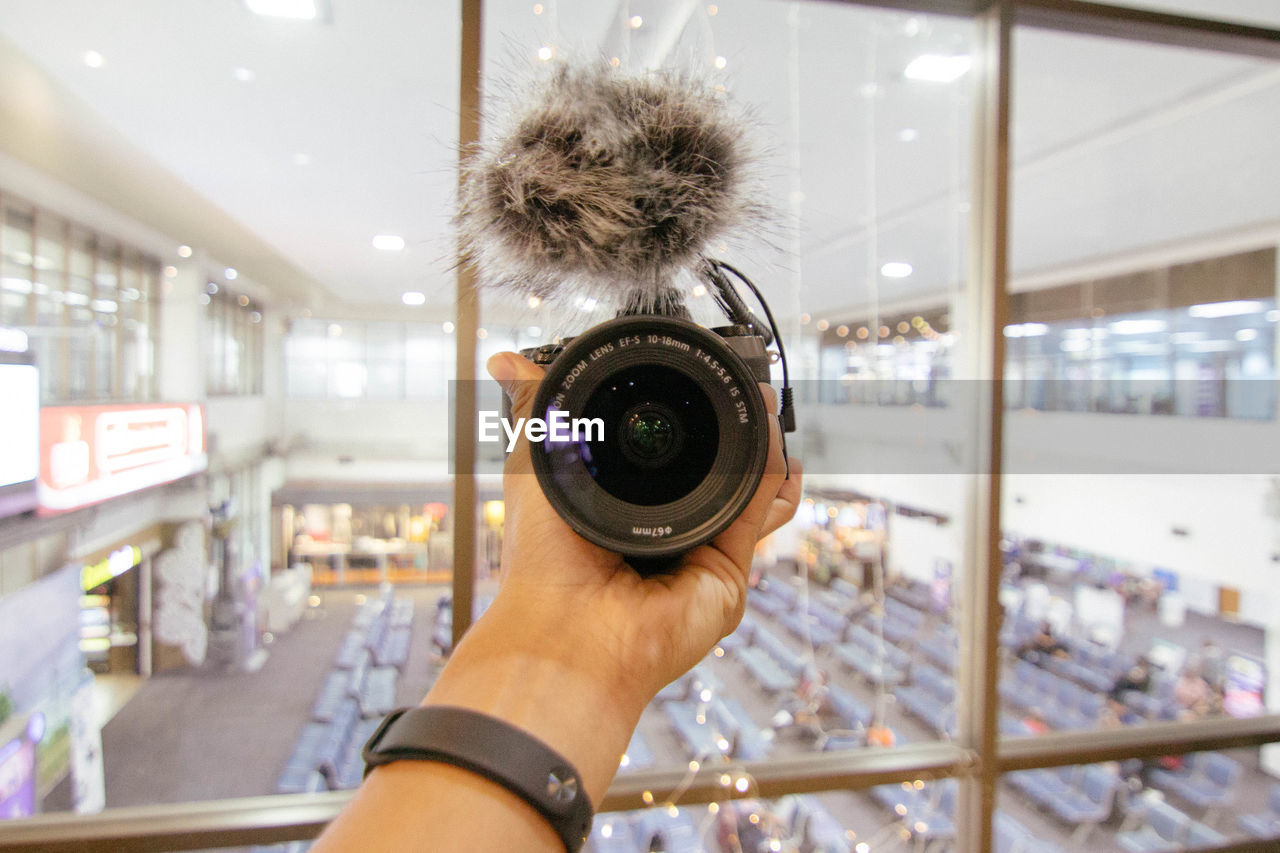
<point x="980" y="756"/>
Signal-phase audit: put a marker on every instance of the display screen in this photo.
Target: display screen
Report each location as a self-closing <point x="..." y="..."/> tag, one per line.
<point x="19" y="433"/>
<point x="20" y="426"/>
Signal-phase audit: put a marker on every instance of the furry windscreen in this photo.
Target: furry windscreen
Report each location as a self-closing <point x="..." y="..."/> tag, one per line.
<point x="606" y="184"/>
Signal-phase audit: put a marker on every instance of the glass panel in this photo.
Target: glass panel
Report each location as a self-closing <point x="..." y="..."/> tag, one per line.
<point x="1139" y="555"/>
<point x="851" y="625"/>
<point x="1185" y="802"/>
<point x="17" y="243"/>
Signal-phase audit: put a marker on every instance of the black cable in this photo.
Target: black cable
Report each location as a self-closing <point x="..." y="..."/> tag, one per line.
<point x="786" y="413"/>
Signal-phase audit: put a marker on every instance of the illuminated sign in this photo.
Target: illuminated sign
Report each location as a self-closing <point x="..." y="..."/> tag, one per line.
<point x="111" y="566"/>
<point x="93" y="453"/>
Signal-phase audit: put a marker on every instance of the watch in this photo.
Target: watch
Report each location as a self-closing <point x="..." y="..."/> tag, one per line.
<point x="493" y="749"/>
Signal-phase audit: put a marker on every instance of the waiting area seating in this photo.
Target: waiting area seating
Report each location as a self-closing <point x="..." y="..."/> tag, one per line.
<point x="356" y="693"/>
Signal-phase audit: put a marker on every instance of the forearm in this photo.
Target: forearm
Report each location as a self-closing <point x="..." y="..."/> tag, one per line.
<point x="536" y="680"/>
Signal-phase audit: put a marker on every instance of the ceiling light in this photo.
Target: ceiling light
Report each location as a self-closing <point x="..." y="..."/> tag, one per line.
<point x="534" y="331"/>
<point x="413" y="297"/>
<point x="230" y="274"/>
<point x="1211" y="346"/>
<point x="720" y="62"/>
<point x="699" y="290"/>
<point x="482" y="333"/>
<point x="1246" y="335"/>
<point x="586" y="303"/>
<point x="302" y="159"/>
<point x="537" y="8"/>
<point x="448" y="327"/>
<point x="334" y="330"/>
<point x="1137" y="327"/>
<point x="92" y="58"/>
<point x="184" y="251"/>
<point x="896" y="269"/>
<point x="636" y="22"/>
<point x="535" y="301"/>
<point x="1273" y="316"/>
<point x="544" y="53"/>
<point x="388" y="242"/>
<point x="713" y="10"/>
<point x="1187" y="337"/>
<point x="244" y="75"/>
<point x="935" y="68"/>
<point x="1026" y="330"/>
<point x="299" y="10"/>
<point x="908" y="134"/>
<point x="170" y="271"/>
<point x="1225" y="309"/>
<point x="1075" y="345"/>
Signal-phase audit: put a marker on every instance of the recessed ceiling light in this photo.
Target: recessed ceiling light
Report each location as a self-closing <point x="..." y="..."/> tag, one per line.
<point x="896" y="269"/>
<point x="586" y="303"/>
<point x="545" y="53"/>
<point x="388" y="242"/>
<point x="301" y="10"/>
<point x="448" y="327"/>
<point x="908" y="134"/>
<point x="1225" y="309"/>
<point x="936" y="68"/>
<point x="413" y="297"/>
<point x="92" y="58"/>
<point x="482" y="333"/>
<point x="334" y="330"/>
<point x="535" y="301"/>
<point x="1137" y="327"/>
<point x="1026" y="330"/>
<point x="636" y="22"/>
<point x="230" y="274"/>
<point x="1246" y="335"/>
<point x="244" y="75"/>
<point x="184" y="251"/>
<point x="720" y="62"/>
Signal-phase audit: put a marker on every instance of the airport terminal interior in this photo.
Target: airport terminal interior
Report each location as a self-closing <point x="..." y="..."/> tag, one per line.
<point x="233" y="353"/>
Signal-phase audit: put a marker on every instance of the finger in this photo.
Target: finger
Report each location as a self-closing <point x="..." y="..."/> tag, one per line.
<point x="784" y="505"/>
<point x="738" y="541"/>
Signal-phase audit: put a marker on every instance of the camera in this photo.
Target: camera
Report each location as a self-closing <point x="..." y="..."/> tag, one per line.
<point x="684" y="434"/>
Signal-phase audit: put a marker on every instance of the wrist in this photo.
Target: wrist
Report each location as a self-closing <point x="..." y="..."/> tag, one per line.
<point x="547" y="685"/>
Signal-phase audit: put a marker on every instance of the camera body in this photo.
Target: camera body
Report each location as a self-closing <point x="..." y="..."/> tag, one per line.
<point x="684" y="438"/>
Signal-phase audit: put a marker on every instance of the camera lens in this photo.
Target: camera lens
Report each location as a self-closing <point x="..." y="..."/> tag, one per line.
<point x="683" y="440"/>
<point x="648" y="435"/>
<point x="666" y="435"/>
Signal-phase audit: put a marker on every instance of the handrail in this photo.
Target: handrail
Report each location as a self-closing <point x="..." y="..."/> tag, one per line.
<point x="287" y="817"/>
<point x="1087" y="747"/>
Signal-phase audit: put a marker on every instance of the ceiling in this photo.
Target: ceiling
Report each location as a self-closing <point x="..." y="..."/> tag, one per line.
<point x="341" y="130"/>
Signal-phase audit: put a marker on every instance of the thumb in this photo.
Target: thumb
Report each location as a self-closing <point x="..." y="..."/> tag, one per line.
<point x="518" y="377"/>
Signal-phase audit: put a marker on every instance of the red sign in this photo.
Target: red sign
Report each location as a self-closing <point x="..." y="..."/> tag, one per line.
<point x="92" y="453"/>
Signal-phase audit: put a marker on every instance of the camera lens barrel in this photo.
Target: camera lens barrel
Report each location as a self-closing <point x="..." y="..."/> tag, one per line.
<point x="684" y="438"/>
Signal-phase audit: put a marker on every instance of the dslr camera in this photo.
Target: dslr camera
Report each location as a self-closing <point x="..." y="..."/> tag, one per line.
<point x="685" y="435"/>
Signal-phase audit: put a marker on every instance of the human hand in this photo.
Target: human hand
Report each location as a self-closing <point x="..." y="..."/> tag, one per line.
<point x="638" y="632"/>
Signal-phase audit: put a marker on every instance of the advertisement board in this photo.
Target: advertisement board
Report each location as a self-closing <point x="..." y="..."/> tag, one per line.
<point x="92" y="453"/>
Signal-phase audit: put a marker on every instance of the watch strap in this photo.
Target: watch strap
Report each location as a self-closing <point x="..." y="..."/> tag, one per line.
<point x="493" y="749"/>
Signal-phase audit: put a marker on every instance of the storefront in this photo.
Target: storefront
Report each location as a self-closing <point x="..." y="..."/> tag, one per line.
<point x="114" y="622"/>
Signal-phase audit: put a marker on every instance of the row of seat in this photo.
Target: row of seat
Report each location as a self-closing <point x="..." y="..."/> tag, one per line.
<point x="1060" y="702"/>
<point x="352" y="699"/>
<point x="1167" y="830"/>
<point x="1081" y="796"/>
<point x="930" y="697"/>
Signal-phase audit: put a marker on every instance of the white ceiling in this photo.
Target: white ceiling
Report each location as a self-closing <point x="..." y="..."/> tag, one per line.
<point x="1120" y="148"/>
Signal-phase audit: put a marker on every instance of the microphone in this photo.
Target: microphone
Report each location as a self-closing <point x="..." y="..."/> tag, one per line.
<point x="609" y="185"/>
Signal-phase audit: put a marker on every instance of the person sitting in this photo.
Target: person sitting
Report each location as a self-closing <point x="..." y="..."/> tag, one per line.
<point x="1043" y="645"/>
<point x="1192" y="694"/>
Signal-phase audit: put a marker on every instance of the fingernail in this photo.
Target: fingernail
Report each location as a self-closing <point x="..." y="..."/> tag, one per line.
<point x="501" y="369"/>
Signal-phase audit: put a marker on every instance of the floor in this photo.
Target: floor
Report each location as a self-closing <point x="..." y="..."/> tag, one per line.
<point x="203" y="735"/>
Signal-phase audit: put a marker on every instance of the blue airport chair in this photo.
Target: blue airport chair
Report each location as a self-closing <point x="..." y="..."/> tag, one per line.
<point x="1164" y="832"/>
<point x="1264" y="824"/>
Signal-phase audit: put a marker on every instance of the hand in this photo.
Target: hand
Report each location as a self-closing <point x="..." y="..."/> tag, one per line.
<point x="635" y="633"/>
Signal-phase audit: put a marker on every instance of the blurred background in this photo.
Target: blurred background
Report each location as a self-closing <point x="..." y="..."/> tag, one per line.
<point x="228" y="331"/>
